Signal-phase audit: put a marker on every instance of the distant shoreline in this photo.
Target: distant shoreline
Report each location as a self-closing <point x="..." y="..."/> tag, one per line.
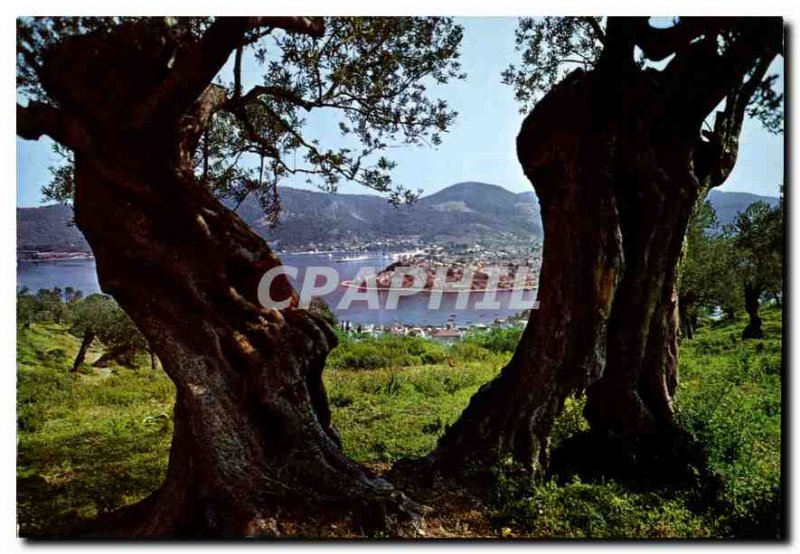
<point x="350" y="284"/>
<point x="49" y="256"/>
<point x="36" y="256"/>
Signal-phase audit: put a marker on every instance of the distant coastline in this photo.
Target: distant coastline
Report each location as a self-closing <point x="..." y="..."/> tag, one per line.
<point x="38" y="256"/>
<point x="353" y="285"/>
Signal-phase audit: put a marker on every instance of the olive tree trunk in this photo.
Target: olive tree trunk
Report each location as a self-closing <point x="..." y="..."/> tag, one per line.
<point x="252" y="432"/>
<point x="252" y="427"/>
<point x="86" y="342"/>
<point x="617" y="188"/>
<point x="752" y="304"/>
<point x="562" y="349"/>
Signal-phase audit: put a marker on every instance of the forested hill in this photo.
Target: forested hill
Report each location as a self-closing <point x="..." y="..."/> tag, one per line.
<point x="460" y="212"/>
<point x="48" y="229"/>
<point x="728" y="204"/>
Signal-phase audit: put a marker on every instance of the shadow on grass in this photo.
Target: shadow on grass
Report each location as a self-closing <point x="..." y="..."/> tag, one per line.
<point x="671" y="465"/>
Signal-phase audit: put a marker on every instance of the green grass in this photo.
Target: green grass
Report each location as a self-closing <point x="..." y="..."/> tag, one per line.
<point x="593" y="511"/>
<point x="89" y="442"/>
<point x="96" y="440"/>
<point x="387" y="414"/>
<point x="729" y="399"/>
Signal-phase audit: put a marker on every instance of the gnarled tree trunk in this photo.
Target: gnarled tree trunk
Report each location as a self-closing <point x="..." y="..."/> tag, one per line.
<point x="615" y="156"/>
<point x="252" y="429"/>
<point x="252" y="426"/>
<point x="569" y="162"/>
<point x="656" y="195"/>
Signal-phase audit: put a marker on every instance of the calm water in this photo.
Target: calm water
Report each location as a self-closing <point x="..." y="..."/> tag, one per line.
<point x="412" y="310"/>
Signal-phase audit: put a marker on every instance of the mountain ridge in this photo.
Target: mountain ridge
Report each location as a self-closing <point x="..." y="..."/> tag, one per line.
<point x="460" y="212"/>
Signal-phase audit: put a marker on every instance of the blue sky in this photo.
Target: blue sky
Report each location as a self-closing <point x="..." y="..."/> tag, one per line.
<point x="480" y="145"/>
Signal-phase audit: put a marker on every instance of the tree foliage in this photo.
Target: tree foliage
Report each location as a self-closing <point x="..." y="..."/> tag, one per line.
<point x="96" y="315"/>
<point x="551" y="47"/>
<point x="758" y="242"/>
<point x="708" y="278"/>
<point x="46" y="305"/>
<point x="370" y="78"/>
<point x="100" y="316"/>
<point x="720" y="262"/>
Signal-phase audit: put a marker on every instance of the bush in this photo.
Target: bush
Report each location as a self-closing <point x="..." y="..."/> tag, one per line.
<point x="386" y="351"/>
<point x="496" y="339"/>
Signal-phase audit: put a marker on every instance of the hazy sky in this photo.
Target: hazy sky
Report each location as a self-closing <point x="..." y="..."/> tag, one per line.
<point x="480" y="145"/>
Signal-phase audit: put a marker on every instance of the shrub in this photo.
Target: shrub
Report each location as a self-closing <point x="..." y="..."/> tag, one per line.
<point x="496" y="339"/>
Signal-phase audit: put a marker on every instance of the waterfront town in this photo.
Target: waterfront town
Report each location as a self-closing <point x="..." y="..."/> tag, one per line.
<point x="449" y="333"/>
<point x="449" y="267"/>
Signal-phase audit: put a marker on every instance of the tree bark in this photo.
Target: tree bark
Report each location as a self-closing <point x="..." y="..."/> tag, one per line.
<point x="88" y="338"/>
<point x="120" y="354"/>
<point x="252" y="426"/>
<point x="568" y="160"/>
<point x="687" y="315"/>
<point x="752" y="303"/>
<point x="634" y="396"/>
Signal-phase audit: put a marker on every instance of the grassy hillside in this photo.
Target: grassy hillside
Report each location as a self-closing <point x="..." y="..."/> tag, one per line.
<point x="93" y="441"/>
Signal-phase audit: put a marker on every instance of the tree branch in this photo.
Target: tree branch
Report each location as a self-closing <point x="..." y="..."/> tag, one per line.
<point x="237" y="72"/>
<point x="197" y="63"/>
<point x="659" y="44"/>
<point x="194" y="68"/>
<point x="311" y="26"/>
<point x="195" y="121"/>
<point x="276" y="92"/>
<point x="598" y="30"/>
<point x="693" y="99"/>
<point x="37" y="119"/>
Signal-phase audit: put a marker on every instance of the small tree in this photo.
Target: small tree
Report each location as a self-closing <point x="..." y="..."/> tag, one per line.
<point x="51" y="305"/>
<point x="88" y="317"/>
<point x="26" y="308"/>
<point x="758" y="244"/>
<point x="98" y="316"/>
<point x="708" y="278"/>
<point x="121" y="339"/>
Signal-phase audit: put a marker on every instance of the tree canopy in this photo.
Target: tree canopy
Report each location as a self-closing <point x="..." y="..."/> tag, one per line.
<point x="551" y="47"/>
<point x="99" y="315"/>
<point x="708" y="277"/>
<point x="371" y="75"/>
<point x="758" y="245"/>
